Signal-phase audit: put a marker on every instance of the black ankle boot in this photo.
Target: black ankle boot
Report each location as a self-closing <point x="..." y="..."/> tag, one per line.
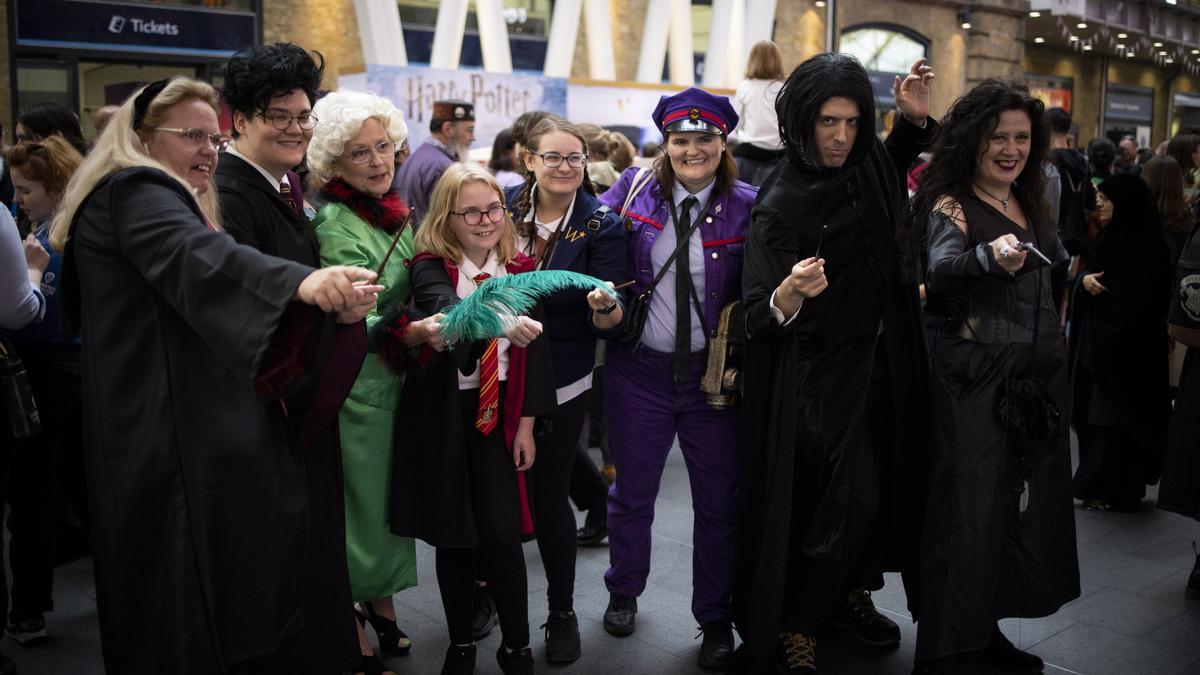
<point x="460" y="660"/>
<point x="516" y="662"/>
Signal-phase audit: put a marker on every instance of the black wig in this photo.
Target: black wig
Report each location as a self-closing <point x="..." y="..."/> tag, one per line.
<point x="44" y="120"/>
<point x="813" y="82"/>
<point x="962" y="135"/>
<point x="255" y="75"/>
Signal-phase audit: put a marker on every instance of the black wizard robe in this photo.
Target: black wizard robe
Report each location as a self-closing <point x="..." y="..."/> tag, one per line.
<point x="799" y="407"/>
<point x="199" y="498"/>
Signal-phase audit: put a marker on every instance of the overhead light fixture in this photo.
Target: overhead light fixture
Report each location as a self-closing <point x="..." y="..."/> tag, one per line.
<point x="1162" y="53"/>
<point x="964" y="19"/>
<point x="1157" y="44"/>
<point x="1087" y="48"/>
<point x="1039" y="40"/>
<point x="1034" y="14"/>
<point x="1121" y="47"/>
<point x="1081" y="24"/>
<point x="1171" y="2"/>
<point x="1196" y="51"/>
<point x="1122" y="36"/>
<point x="1074" y="38"/>
<point x="1169" y="61"/>
<point x="819" y="3"/>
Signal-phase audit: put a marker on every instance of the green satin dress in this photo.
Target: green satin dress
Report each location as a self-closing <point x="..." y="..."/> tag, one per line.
<point x="380" y="562"/>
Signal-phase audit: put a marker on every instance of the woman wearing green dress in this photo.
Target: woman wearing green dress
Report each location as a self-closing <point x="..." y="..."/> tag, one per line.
<point x="351" y="151"/>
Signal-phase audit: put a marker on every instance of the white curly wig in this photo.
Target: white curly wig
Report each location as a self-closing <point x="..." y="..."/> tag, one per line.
<point x="340" y="116"/>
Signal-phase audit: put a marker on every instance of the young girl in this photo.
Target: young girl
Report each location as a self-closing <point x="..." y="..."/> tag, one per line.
<point x="456" y="483"/>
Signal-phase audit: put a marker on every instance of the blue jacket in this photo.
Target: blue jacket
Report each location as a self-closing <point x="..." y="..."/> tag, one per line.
<point x="596" y="246"/>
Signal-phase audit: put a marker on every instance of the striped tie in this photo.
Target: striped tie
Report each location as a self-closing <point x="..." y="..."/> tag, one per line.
<point x="285" y="188"/>
<point x="489" y="381"/>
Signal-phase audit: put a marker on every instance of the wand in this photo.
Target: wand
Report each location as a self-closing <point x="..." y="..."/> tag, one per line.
<point x="395" y="240"/>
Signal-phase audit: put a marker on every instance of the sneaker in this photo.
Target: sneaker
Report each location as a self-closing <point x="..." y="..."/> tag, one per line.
<point x="620" y="618"/>
<point x="460" y="660"/>
<point x="516" y="662"/>
<point x="718" y="644"/>
<point x="27" y="632"/>
<point x="796" y="654"/>
<point x="1005" y="654"/>
<point x="485" y="616"/>
<point x="1193" y="585"/>
<point x="857" y="614"/>
<point x="562" y="637"/>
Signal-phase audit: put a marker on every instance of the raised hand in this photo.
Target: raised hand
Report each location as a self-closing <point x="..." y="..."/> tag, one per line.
<point x="912" y="93"/>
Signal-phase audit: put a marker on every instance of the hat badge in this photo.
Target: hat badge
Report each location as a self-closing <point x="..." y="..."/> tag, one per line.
<point x="460" y="112"/>
<point x="694" y="114"/>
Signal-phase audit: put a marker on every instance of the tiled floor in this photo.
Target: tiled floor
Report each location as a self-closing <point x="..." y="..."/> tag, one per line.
<point x="1132" y="617"/>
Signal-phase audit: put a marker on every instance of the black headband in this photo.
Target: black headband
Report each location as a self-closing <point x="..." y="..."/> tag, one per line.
<point x="142" y="103"/>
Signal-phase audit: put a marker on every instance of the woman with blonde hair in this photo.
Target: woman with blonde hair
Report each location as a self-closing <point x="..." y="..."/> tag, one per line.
<point x="465" y="427"/>
<point x="198" y="496"/>
<point x="759" y="148"/>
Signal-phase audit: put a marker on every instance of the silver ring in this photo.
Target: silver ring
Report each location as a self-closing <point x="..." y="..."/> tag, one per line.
<point x="1005" y="250"/>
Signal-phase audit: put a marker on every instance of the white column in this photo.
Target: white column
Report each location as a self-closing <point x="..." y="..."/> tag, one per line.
<point x="493" y="36"/>
<point x="760" y="20"/>
<point x="654" y="41"/>
<point x="448" y="34"/>
<point x="682" y="64"/>
<point x="380" y="33"/>
<point x="602" y="63"/>
<point x="716" y="61"/>
<point x="564" y="29"/>
<point x="736" y="55"/>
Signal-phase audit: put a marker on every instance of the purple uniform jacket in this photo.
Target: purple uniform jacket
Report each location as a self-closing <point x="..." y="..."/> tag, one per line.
<point x="723" y="232"/>
<point x="418" y="175"/>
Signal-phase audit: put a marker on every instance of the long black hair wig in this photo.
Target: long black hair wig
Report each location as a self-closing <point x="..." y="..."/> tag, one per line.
<point x="813" y="82"/>
<point x="961" y="139"/>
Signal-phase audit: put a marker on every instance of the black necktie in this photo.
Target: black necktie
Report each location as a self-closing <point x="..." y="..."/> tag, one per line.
<point x="683" y="295"/>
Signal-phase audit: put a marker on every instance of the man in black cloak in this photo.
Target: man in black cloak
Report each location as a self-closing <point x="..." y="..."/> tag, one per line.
<point x="836" y="382"/>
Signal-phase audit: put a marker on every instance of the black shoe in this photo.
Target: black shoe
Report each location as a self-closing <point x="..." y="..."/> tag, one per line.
<point x="562" y="637"/>
<point x="796" y="654"/>
<point x="485" y="616"/>
<point x="857" y="614"/>
<point x="516" y="662"/>
<point x="595" y="527"/>
<point x="1193" y="585"/>
<point x="370" y="665"/>
<point x="621" y="616"/>
<point x="459" y="660"/>
<point x="1005" y="654"/>
<point x="392" y="640"/>
<point x="28" y="632"/>
<point x="718" y="644"/>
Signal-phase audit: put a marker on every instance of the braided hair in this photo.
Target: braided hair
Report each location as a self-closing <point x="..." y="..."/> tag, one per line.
<point x="523" y="202"/>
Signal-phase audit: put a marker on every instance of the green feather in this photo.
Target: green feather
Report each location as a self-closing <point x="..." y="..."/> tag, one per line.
<point x="481" y="314"/>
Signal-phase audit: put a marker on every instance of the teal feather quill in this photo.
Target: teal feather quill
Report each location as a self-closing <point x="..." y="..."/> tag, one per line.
<point x="481" y="315"/>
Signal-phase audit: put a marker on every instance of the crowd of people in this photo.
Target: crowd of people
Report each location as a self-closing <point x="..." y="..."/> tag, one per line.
<point x="235" y="346"/>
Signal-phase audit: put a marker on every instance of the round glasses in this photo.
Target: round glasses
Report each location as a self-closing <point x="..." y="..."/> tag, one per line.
<point x="198" y="136"/>
<point x="553" y="160"/>
<point x="282" y="120"/>
<point x="495" y="214"/>
<point x="384" y="149"/>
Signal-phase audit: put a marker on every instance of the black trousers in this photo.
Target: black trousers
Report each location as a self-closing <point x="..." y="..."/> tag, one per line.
<point x="813" y="586"/>
<point x="552" y="480"/>
<point x="31" y="486"/>
<point x="493" y="485"/>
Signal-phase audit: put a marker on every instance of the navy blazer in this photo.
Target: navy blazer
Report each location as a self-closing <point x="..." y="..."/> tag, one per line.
<point x="599" y="247"/>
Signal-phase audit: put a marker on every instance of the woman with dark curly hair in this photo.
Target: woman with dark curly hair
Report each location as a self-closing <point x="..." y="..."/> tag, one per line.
<point x="1002" y="541"/>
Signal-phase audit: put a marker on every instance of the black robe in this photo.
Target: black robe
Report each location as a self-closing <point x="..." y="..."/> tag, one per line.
<point x="258" y="215"/>
<point x="1180" y="489"/>
<point x="788" y="369"/>
<point x="198" y="498"/>
<point x="1119" y="352"/>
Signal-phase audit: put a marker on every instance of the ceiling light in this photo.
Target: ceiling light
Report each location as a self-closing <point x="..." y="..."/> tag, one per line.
<point x="964" y="19"/>
<point x="819" y="3"/>
<point x="1087" y="48"/>
<point x="1034" y="14"/>
<point x="1162" y="53"/>
<point x="1039" y="40"/>
<point x="1157" y="44"/>
<point x="1122" y="35"/>
<point x="1074" y="38"/>
<point x="1121" y="47"/>
<point x="1170" y="61"/>
<point x="1081" y="24"/>
<point x="1196" y="51"/>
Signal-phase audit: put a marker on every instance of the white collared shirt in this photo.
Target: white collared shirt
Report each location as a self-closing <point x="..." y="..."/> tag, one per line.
<point x="467" y="271"/>
<point x="275" y="182"/>
<point x="659" y="333"/>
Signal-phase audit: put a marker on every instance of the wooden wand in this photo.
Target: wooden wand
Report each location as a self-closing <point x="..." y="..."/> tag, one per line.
<point x="395" y="240"/>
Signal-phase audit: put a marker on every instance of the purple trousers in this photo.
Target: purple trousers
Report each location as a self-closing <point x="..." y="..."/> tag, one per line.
<point x="645" y="409"/>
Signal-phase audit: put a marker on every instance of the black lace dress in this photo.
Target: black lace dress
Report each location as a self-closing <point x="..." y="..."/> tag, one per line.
<point x="1001" y="540"/>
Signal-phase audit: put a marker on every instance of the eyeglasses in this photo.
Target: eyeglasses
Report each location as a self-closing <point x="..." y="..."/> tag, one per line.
<point x="553" y="160"/>
<point x="363" y="155"/>
<point x="198" y="136"/>
<point x="282" y="120"/>
<point x="472" y="217"/>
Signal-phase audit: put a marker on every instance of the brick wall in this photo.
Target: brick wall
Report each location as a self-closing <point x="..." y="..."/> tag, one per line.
<point x="6" y="83"/>
<point x="327" y="26"/>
